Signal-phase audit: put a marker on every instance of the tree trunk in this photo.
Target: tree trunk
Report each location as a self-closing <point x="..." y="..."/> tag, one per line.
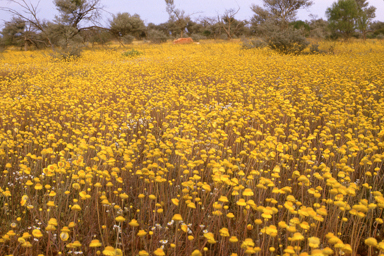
<point x="228" y="31"/>
<point x="25" y="44"/>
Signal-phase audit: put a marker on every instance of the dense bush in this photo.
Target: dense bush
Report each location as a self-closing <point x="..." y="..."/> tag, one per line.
<point x="314" y="49"/>
<point x="128" y="39"/>
<point x="98" y="37"/>
<point x="253" y="43"/>
<point x="299" y="24"/>
<point x="197" y="37"/>
<point x="68" y="53"/>
<point x="132" y="53"/>
<point x="281" y="37"/>
<point x="224" y="36"/>
<point x="287" y="41"/>
<point x="157" y="36"/>
<point x="379" y="31"/>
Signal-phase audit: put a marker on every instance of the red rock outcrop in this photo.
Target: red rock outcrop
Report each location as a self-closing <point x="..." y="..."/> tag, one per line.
<point x="183" y="41"/>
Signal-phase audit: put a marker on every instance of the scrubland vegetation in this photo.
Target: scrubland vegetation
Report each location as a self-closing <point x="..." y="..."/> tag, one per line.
<point x="205" y="149"/>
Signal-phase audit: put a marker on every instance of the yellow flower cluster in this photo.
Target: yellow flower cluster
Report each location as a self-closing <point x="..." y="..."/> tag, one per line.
<point x="203" y="149"/>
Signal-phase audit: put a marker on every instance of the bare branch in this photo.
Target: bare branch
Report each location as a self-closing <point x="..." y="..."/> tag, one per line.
<point x="226" y="21"/>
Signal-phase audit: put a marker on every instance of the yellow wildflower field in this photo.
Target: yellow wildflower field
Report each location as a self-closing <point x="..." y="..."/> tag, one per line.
<point x="201" y="149"/>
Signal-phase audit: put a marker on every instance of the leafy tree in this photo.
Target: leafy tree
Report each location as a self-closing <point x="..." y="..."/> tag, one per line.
<point x="125" y="24"/>
<point x="18" y="32"/>
<point x="261" y="15"/>
<point x="71" y="21"/>
<point x="318" y="28"/>
<point x="342" y="17"/>
<point x="167" y="28"/>
<point x="28" y="14"/>
<point x="194" y="28"/>
<point x="12" y="33"/>
<point x="176" y="28"/>
<point x="281" y="11"/>
<point x="377" y="27"/>
<point x="178" y="19"/>
<point x="74" y="12"/>
<point x="74" y="19"/>
<point x="272" y="23"/>
<point x="211" y="27"/>
<point x="299" y="24"/>
<point x="365" y="16"/>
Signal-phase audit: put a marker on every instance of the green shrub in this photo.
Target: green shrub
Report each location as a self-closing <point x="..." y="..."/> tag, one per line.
<point x="207" y="33"/>
<point x="132" y="53"/>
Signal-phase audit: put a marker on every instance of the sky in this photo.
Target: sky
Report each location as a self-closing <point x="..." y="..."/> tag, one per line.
<point x="154" y="10"/>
